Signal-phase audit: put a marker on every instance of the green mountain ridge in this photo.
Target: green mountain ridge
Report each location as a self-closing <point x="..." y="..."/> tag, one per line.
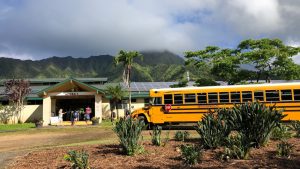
<point x="155" y="66"/>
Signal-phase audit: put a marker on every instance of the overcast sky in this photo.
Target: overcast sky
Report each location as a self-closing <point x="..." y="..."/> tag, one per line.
<point x="36" y="29"/>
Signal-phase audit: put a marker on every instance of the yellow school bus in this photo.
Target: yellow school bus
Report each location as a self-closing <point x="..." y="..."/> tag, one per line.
<point x="189" y="104"/>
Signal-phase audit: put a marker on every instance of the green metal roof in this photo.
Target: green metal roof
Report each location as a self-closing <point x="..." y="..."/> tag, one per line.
<point x="67" y="80"/>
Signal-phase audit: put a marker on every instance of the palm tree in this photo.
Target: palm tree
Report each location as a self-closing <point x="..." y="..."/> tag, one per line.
<point x="116" y="93"/>
<point x="127" y="59"/>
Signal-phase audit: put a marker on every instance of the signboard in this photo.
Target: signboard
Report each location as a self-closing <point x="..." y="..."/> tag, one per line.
<point x="168" y="107"/>
<point x="54" y="120"/>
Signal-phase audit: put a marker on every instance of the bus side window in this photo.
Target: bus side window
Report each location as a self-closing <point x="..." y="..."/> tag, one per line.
<point x="246" y="96"/>
<point x="168" y="99"/>
<point x="157" y="100"/>
<point x="212" y="97"/>
<point x="259" y="95"/>
<point x="178" y="99"/>
<point x="286" y="95"/>
<point x="272" y="95"/>
<point x="297" y="94"/>
<point x="224" y="97"/>
<point x="189" y="98"/>
<point x="235" y="97"/>
<point x="202" y="98"/>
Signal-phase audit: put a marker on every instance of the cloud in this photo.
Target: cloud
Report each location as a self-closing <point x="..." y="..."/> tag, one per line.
<point x="80" y="28"/>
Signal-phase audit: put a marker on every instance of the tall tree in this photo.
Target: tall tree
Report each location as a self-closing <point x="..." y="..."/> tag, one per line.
<point x="17" y="90"/>
<point x="116" y="93"/>
<point x="270" y="57"/>
<point x="223" y="63"/>
<point x="126" y="58"/>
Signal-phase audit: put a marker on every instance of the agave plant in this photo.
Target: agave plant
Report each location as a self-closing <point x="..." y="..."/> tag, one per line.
<point x="129" y="132"/>
<point x="256" y="121"/>
<point x="296" y="126"/>
<point x="190" y="154"/>
<point x="212" y="130"/>
<point x="156" y="135"/>
<point x="236" y="147"/>
<point x="281" y="132"/>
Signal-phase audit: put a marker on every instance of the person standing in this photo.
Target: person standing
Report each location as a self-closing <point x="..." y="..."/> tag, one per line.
<point x="72" y="118"/>
<point x="87" y="115"/>
<point x="60" y="116"/>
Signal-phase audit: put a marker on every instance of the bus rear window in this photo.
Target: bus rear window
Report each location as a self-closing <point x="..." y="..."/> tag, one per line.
<point x="259" y="95"/>
<point x="178" y="99"/>
<point x="212" y="97"/>
<point x="189" y="98"/>
<point x="202" y="98"/>
<point x="272" y="95"/>
<point x="286" y="95"/>
<point x="224" y="97"/>
<point x="168" y="99"/>
<point x="247" y="96"/>
<point x="235" y="97"/>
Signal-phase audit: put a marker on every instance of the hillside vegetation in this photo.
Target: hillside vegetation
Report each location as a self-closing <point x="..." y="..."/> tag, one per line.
<point x="155" y="66"/>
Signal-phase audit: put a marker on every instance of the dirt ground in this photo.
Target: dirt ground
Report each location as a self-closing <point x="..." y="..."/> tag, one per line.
<point x="110" y="156"/>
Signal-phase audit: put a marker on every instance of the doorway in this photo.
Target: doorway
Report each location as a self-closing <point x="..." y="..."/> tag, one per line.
<point x="77" y="104"/>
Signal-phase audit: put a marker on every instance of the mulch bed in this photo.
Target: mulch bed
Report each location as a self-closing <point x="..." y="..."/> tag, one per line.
<point x="110" y="156"/>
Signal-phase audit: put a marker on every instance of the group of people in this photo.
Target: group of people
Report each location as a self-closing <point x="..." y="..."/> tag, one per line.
<point x="75" y="115"/>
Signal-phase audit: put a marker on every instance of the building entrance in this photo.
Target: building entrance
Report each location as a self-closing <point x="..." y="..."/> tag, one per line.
<point x="72" y="104"/>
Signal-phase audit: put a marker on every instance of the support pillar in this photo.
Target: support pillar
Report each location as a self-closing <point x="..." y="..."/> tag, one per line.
<point x="53" y="106"/>
<point x="98" y="106"/>
<point x="46" y="110"/>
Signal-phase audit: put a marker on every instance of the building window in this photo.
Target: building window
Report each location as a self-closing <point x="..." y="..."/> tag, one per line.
<point x="190" y="98"/>
<point x="4" y="102"/>
<point x="34" y="102"/>
<point x="146" y="101"/>
<point x="133" y="100"/>
<point x="178" y="99"/>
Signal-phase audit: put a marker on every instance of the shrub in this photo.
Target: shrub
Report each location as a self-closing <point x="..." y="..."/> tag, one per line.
<point x="190" y="154"/>
<point x="284" y="149"/>
<point x="181" y="136"/>
<point x="156" y="135"/>
<point x="6" y="113"/>
<point x="296" y="126"/>
<point x="79" y="160"/>
<point x="212" y="131"/>
<point x="129" y="133"/>
<point x="281" y="132"/>
<point x="256" y="121"/>
<point x="236" y="147"/>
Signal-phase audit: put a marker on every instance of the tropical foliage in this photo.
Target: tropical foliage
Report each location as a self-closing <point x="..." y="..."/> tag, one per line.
<point x="78" y="159"/>
<point x="127" y="59"/>
<point x="129" y="132"/>
<point x="116" y="94"/>
<point x="191" y="154"/>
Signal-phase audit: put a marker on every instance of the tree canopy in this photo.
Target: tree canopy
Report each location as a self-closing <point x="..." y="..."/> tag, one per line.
<point x="270" y="58"/>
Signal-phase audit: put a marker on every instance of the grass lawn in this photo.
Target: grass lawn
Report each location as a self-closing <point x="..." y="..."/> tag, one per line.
<point x="16" y="127"/>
